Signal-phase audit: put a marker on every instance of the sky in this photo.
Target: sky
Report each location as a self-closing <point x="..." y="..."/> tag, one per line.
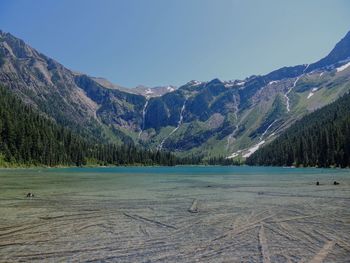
<point x="166" y="42"/>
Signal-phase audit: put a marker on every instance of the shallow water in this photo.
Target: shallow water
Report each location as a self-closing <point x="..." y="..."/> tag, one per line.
<point x="246" y="214"/>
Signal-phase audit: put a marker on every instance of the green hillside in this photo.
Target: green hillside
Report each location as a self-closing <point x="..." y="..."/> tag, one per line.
<point x="320" y="139"/>
<point x="28" y="139"/>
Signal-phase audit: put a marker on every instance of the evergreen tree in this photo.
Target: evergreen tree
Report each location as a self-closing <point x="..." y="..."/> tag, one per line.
<point x="320" y="139"/>
<point x="26" y="138"/>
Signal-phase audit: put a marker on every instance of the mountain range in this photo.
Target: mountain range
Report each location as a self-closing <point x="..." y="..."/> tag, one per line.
<point x="230" y="118"/>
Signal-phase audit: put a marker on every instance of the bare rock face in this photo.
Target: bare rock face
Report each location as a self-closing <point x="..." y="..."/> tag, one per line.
<point x="215" y="121"/>
<point x="72" y="99"/>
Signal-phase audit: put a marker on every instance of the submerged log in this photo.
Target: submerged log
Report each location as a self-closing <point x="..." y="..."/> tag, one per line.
<point x="194" y="207"/>
<point x="144" y="219"/>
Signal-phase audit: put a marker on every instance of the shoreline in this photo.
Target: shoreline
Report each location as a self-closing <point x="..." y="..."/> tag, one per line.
<point x="165" y="166"/>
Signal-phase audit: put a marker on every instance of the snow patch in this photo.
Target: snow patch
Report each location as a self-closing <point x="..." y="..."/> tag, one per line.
<point x="273" y="82"/>
<point x="233" y="155"/>
<point x="148" y="91"/>
<point x="170" y="89"/>
<point x="253" y="149"/>
<point x="341" y="68"/>
<point x="312" y="92"/>
<point x="232" y="83"/>
<point x="240" y="83"/>
<point x="194" y="83"/>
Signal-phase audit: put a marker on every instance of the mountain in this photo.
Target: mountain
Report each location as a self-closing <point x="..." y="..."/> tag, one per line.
<point x="212" y="118"/>
<point x="140" y="90"/>
<point x="339" y="54"/>
<point x="72" y="99"/>
<point x="321" y="139"/>
<point x="153" y="91"/>
<point x="28" y="139"/>
<point x="234" y="118"/>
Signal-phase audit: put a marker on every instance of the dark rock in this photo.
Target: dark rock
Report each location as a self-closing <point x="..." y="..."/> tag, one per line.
<point x="30" y="195"/>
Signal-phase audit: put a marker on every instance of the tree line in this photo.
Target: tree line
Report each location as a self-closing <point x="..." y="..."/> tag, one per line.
<point x="320" y="139"/>
<point x="30" y="139"/>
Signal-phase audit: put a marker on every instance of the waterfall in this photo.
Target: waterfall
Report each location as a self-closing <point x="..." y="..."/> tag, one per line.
<point x="160" y="147"/>
<point x="262" y="135"/>
<point x="229" y="138"/>
<point x="291" y="88"/>
<point x="143" y="117"/>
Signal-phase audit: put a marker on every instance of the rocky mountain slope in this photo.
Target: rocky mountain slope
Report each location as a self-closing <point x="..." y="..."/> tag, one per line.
<point x="140" y="90"/>
<point x="229" y="118"/>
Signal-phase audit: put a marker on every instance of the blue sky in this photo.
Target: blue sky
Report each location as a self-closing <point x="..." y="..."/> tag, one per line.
<point x="161" y="42"/>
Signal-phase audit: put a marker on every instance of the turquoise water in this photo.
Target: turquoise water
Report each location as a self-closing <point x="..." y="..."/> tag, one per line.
<point x="140" y="214"/>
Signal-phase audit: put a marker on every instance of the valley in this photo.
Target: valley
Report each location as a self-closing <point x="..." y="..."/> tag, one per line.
<point x="175" y="131"/>
<point x="203" y="118"/>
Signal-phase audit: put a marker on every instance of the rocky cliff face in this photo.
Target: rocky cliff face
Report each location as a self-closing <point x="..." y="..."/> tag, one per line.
<point x="72" y="99"/>
<point x="234" y="118"/>
<point x="231" y="118"/>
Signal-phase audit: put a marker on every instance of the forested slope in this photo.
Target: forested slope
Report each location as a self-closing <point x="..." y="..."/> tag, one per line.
<point x="211" y="119"/>
<point x="321" y="139"/>
<point x="27" y="138"/>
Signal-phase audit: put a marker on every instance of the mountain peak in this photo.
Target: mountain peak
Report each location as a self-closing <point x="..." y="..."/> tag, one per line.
<point x="339" y="53"/>
<point x="16" y="47"/>
<point x="193" y="83"/>
<point x="215" y="81"/>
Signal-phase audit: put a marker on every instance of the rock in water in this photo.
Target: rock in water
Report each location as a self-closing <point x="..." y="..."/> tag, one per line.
<point x="30" y="195"/>
<point x="194" y="207"/>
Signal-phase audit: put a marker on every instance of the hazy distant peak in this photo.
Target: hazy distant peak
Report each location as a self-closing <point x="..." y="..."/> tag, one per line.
<point x="215" y="81"/>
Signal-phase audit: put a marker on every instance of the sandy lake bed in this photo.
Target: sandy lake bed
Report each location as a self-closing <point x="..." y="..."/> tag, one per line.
<point x="243" y="214"/>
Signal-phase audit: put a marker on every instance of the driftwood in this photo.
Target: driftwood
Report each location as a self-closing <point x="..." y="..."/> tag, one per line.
<point x="263" y="245"/>
<point x="50" y="217"/>
<point x="323" y="253"/>
<point x="194" y="207"/>
<point x="140" y="218"/>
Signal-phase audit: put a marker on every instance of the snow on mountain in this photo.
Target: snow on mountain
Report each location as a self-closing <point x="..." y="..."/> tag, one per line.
<point x="312" y="93"/>
<point x="345" y="66"/>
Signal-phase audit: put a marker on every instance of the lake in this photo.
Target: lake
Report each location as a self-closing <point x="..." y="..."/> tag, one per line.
<point x="138" y="214"/>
